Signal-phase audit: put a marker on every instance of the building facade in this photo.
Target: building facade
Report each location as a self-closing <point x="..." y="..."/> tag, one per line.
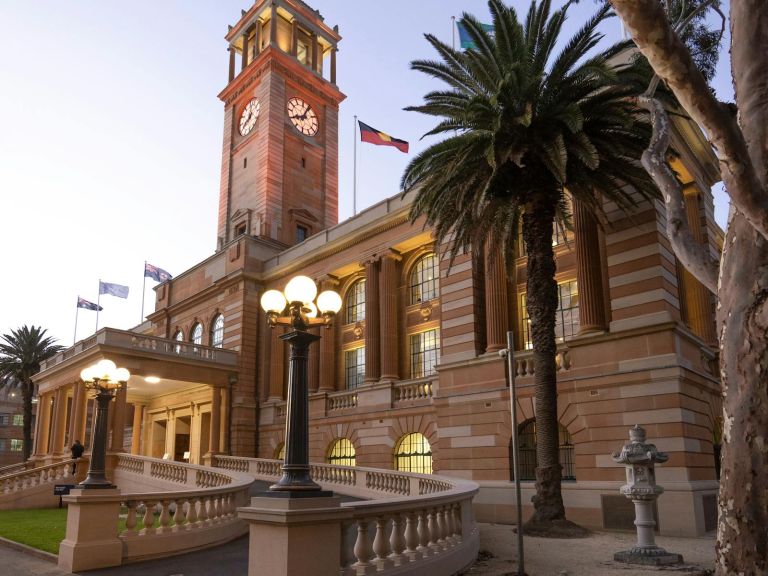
<point x="409" y="376"/>
<point x="11" y="427"/>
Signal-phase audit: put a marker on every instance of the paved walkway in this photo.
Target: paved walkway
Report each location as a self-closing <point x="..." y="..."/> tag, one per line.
<point x="544" y="557"/>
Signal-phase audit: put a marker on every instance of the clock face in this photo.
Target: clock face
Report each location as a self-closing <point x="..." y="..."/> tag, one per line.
<point x="249" y="116"/>
<point x="302" y="116"/>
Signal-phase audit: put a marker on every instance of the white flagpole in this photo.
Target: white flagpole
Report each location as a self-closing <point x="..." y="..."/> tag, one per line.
<point x="354" y="170"/>
<point x="77" y="312"/>
<point x="143" y="290"/>
<point x="453" y="32"/>
<point x="98" y="305"/>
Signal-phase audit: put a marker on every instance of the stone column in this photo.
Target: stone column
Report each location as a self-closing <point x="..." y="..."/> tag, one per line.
<point x="73" y="412"/>
<point x="244" y="62"/>
<point x="388" y="314"/>
<point x="93" y="424"/>
<point x="276" y="367"/>
<point x="231" y="50"/>
<point x="372" y="327"/>
<point x="43" y="424"/>
<point x="118" y="424"/>
<point x="257" y="37"/>
<point x="213" y="442"/>
<point x="327" y="345"/>
<point x="333" y="65"/>
<point x="59" y="420"/>
<point x="79" y="412"/>
<point x="223" y="436"/>
<point x="313" y="377"/>
<point x="273" y="25"/>
<point x="496" y="302"/>
<point x="138" y="419"/>
<point x="170" y="435"/>
<point x="589" y="271"/>
<point x="294" y="38"/>
<point x="697" y="299"/>
<point x="315" y="67"/>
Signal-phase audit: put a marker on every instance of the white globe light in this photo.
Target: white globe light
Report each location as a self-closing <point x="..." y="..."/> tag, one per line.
<point x="329" y="302"/>
<point x="86" y="374"/>
<point x="105" y="369"/>
<point x="122" y="375"/>
<point x="312" y="310"/>
<point x="300" y="289"/>
<point x="273" y="301"/>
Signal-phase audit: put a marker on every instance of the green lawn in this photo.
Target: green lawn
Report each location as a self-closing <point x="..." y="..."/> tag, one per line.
<point x="42" y="529"/>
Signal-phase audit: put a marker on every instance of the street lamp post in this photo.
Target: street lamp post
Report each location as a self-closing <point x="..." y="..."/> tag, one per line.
<point x="105" y="379"/>
<point x="295" y="307"/>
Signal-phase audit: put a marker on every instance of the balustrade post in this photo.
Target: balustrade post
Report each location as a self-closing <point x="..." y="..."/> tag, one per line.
<point x="381" y="542"/>
<point x="396" y="540"/>
<point x="423" y="532"/>
<point x="411" y="536"/>
<point x="91" y="536"/>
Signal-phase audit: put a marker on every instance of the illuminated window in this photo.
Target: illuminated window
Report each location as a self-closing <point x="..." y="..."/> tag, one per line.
<point x="217" y="331"/>
<point x="413" y="454"/>
<point x="341" y="453"/>
<point x="17" y="445"/>
<point x="566" y="318"/>
<point x="561" y="236"/>
<point x="302" y="53"/>
<point x="355" y="303"/>
<point x="18" y="420"/>
<point x="280" y="451"/>
<point x="527" y="452"/>
<point x="425" y="353"/>
<point x="197" y="334"/>
<point x="354" y="367"/>
<point x="423" y="281"/>
<point x="179" y="337"/>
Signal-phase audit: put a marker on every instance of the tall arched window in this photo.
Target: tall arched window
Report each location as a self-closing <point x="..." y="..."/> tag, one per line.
<point x="354" y="305"/>
<point x="423" y="281"/>
<point x="341" y="452"/>
<point x="413" y="454"/>
<point x="280" y="451"/>
<point x="179" y="337"/>
<point x="217" y="331"/>
<point x="196" y="336"/>
<point x="526" y="438"/>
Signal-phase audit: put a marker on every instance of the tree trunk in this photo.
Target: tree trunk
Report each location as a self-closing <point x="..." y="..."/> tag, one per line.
<point x="26" y="396"/>
<point x="541" y="302"/>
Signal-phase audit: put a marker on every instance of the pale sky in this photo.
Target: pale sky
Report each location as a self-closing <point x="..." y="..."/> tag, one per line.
<point x="111" y="135"/>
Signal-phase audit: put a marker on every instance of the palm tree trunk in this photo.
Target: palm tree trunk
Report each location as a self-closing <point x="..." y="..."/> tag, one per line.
<point x="26" y="395"/>
<point x="541" y="301"/>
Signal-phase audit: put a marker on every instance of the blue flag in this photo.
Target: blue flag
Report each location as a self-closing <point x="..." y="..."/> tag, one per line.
<point x="83" y="303"/>
<point x="156" y="273"/>
<point x="113" y="289"/>
<point x="465" y="39"/>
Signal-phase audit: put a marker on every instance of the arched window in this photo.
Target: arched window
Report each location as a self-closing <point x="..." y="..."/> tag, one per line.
<point x="196" y="336"/>
<point x="354" y="306"/>
<point x="217" y="331"/>
<point x="526" y="438"/>
<point x="179" y="337"/>
<point x="280" y="451"/>
<point x="423" y="281"/>
<point x="413" y="454"/>
<point x="341" y="452"/>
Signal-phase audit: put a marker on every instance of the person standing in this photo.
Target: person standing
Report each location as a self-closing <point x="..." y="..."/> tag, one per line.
<point x="77" y="450"/>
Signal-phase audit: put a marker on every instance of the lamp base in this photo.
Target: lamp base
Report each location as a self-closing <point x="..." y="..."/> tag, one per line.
<point x="296" y="494"/>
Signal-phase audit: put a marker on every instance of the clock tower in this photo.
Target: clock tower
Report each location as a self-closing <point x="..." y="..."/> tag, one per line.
<point x="279" y="169"/>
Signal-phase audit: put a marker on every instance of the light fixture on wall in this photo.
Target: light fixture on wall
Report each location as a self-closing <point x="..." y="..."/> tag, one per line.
<point x="297" y="308"/>
<point x="105" y="379"/>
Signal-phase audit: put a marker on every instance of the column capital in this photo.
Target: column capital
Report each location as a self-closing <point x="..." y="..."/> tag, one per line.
<point x="691" y="189"/>
<point x="327" y="281"/>
<point x="392" y="254"/>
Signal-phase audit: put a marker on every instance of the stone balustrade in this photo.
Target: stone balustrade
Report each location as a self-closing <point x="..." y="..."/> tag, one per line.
<point x="412" y="391"/>
<point x="13" y="468"/>
<point x="60" y="472"/>
<point x="341" y="400"/>
<point x="524" y="362"/>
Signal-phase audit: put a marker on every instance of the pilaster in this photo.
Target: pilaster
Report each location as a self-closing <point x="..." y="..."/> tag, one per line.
<point x="388" y="316"/>
<point x="372" y="325"/>
<point x="496" y="302"/>
<point x="589" y="270"/>
<point x="328" y="343"/>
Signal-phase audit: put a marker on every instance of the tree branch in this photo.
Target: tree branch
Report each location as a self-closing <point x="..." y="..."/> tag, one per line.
<point x="692" y="254"/>
<point x="650" y="30"/>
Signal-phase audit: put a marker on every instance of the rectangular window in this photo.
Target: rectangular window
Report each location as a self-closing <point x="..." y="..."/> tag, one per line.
<point x="566" y="318"/>
<point x="18" y="420"/>
<point x="5" y="419"/>
<point x="354" y="367"/>
<point x="425" y="353"/>
<point x="3" y="445"/>
<point x="301" y="233"/>
<point x="302" y="53"/>
<point x="17" y="445"/>
<point x="240" y="230"/>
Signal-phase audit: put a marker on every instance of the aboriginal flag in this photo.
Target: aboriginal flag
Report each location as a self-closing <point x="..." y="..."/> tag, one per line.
<point x="373" y="136"/>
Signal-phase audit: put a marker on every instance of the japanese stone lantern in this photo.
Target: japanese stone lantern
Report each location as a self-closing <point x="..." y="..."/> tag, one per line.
<point x="640" y="459"/>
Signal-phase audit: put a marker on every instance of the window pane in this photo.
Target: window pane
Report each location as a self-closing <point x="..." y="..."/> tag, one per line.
<point x="18" y="420"/>
<point x="217" y="332"/>
<point x="355" y="303"/>
<point x="413" y="454"/>
<point x="527" y="462"/>
<point x="342" y="453"/>
<point x="425" y="353"/>
<point x="197" y="334"/>
<point x="566" y="317"/>
<point x="424" y="279"/>
<point x="354" y="367"/>
<point x="17" y="445"/>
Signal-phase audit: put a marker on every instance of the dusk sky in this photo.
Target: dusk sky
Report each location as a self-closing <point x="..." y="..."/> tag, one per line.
<point x="111" y="136"/>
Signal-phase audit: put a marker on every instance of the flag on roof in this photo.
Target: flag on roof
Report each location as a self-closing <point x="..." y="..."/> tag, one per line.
<point x="83" y="303"/>
<point x="113" y="289"/>
<point x="465" y="39"/>
<point x="373" y="136"/>
<point x="156" y="273"/>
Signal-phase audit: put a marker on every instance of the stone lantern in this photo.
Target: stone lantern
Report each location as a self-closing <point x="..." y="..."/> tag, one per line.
<point x="639" y="459"/>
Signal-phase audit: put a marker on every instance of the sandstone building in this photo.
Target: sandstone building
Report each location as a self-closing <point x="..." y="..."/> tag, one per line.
<point x="409" y="376"/>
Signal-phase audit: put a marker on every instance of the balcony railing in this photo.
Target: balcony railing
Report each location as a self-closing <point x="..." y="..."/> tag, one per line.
<point x="524" y="362"/>
<point x="131" y="341"/>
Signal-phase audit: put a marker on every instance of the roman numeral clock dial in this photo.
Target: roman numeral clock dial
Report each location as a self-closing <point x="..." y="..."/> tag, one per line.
<point x="249" y="116"/>
<point x="302" y="116"/>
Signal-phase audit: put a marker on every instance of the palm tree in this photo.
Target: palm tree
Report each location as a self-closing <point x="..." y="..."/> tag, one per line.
<point x="21" y="353"/>
<point x="525" y="127"/>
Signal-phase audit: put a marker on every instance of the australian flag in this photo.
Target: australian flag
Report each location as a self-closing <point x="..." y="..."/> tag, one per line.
<point x="113" y="289"/>
<point x="156" y="273"/>
<point x="83" y="303"/>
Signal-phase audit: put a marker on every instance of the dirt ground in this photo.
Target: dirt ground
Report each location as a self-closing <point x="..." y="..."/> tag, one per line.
<point x="592" y="556"/>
